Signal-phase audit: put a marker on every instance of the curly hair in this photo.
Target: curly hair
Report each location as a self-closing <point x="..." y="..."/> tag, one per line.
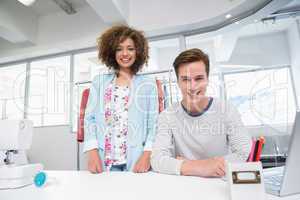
<point x="108" y="43"/>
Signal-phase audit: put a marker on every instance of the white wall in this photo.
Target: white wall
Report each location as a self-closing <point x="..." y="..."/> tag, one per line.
<point x="208" y="48"/>
<point x="82" y="159"/>
<point x="294" y="45"/>
<point x="166" y="56"/>
<point x="153" y="60"/>
<point x="262" y="50"/>
<point x="55" y="147"/>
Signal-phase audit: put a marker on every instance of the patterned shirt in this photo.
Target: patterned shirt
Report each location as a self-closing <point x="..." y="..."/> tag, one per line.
<point x="116" y="117"/>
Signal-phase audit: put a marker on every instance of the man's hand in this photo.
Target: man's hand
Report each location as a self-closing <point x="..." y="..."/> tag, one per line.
<point x="94" y="162"/>
<point x="213" y="167"/>
<point x="143" y="164"/>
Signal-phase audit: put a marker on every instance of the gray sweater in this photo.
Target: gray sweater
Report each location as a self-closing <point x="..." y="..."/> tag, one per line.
<point x="216" y="132"/>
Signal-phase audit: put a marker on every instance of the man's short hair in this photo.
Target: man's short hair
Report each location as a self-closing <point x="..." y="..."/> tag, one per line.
<point x="189" y="56"/>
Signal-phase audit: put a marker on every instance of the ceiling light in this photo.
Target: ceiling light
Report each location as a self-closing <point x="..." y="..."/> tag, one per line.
<point x="66" y="5"/>
<point x="27" y="2"/>
<point x="228" y="16"/>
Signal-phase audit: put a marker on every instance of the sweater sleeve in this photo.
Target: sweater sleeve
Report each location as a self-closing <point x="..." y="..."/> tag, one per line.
<point x="152" y="116"/>
<point x="163" y="152"/>
<point x="238" y="137"/>
<point x="90" y="126"/>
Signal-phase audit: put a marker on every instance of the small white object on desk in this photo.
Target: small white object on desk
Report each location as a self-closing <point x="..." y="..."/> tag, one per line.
<point x="245" y="181"/>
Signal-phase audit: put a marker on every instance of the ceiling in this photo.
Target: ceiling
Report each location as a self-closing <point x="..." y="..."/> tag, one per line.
<point x="46" y="7"/>
<point x="91" y="19"/>
<point x="267" y="27"/>
<point x="254" y="29"/>
<point x="295" y="3"/>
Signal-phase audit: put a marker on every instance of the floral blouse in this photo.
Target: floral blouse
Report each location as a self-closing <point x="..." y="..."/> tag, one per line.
<point x="116" y="117"/>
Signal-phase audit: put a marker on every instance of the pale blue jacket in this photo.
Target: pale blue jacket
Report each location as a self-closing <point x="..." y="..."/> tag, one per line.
<point x="142" y="116"/>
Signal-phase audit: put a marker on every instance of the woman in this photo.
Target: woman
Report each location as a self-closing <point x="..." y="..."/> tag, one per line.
<point x="122" y="109"/>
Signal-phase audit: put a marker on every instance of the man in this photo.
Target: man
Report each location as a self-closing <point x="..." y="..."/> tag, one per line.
<point x="196" y="136"/>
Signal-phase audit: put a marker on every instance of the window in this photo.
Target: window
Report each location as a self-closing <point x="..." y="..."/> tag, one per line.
<point x="262" y="97"/>
<point x="214" y="87"/>
<point x="49" y="91"/>
<point x="86" y="67"/>
<point x="206" y="44"/>
<point x="162" y="54"/>
<point x="171" y="90"/>
<point x="12" y="91"/>
<point x="173" y="93"/>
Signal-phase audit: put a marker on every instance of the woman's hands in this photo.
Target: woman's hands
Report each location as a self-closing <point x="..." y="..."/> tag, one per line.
<point x="94" y="162"/>
<point x="143" y="164"/>
<point x="95" y="166"/>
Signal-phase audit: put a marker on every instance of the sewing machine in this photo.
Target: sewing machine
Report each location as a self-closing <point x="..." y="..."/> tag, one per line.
<point x="16" y="135"/>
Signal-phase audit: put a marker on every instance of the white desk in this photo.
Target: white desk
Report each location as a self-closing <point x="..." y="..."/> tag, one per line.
<point x="81" y="185"/>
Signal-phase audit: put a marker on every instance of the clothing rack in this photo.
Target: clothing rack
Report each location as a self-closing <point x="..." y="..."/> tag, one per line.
<point x="165" y="82"/>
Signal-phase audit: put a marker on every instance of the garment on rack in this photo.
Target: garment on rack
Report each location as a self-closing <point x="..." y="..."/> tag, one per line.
<point x="160" y="96"/>
<point x="166" y="98"/>
<point x="80" y="130"/>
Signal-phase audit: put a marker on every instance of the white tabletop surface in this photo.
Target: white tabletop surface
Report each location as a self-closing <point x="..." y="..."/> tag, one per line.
<point x="75" y="185"/>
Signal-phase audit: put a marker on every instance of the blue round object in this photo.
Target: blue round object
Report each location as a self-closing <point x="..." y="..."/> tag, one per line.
<point x="40" y="179"/>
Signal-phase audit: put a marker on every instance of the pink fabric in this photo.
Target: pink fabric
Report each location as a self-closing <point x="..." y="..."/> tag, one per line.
<point x="80" y="130"/>
<point x="160" y="96"/>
